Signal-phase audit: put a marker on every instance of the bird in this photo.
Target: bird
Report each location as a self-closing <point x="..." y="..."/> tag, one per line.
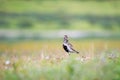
<point x="68" y="46"/>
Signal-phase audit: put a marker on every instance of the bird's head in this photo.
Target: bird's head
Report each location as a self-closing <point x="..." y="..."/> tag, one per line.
<point x="65" y="38"/>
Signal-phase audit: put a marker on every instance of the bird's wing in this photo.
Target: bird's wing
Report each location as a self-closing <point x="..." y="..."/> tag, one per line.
<point x="72" y="49"/>
<point x="70" y="45"/>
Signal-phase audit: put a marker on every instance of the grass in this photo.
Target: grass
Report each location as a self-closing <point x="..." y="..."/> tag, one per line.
<point x="46" y="60"/>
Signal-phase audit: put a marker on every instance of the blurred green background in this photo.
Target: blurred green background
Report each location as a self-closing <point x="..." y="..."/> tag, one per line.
<point x="32" y="31"/>
<point x="59" y="17"/>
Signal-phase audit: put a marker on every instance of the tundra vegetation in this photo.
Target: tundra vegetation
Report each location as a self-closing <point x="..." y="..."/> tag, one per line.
<point x="31" y="37"/>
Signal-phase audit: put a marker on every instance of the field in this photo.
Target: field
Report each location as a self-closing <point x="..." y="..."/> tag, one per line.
<point x="31" y="37"/>
<point x="46" y="60"/>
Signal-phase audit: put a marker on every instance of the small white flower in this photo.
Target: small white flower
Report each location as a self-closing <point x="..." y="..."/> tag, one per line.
<point x="47" y="57"/>
<point x="7" y="62"/>
<point x="82" y="59"/>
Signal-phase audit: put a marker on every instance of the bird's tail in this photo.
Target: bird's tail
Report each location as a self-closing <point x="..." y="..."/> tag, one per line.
<point x="75" y="51"/>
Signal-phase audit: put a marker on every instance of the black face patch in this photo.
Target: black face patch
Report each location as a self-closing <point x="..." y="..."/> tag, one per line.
<point x="65" y="48"/>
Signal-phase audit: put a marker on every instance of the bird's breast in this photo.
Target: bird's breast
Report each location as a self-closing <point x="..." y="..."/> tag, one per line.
<point x="65" y="48"/>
